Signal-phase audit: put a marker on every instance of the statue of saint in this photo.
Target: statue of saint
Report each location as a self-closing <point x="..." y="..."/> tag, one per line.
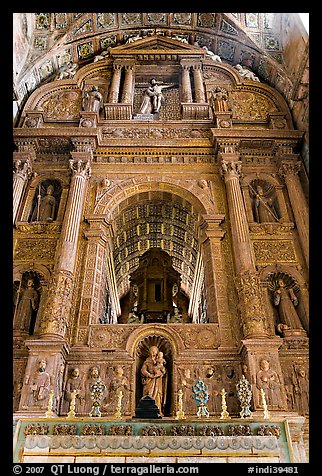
<point x="27" y="303"/>
<point x="286" y="301"/>
<point x="263" y="207"/>
<point x="269" y="381"/>
<point x="92" y="100"/>
<point x="45" y="209"/>
<point x="154" y="377"/>
<point x="153" y="97"/>
<point x="39" y="384"/>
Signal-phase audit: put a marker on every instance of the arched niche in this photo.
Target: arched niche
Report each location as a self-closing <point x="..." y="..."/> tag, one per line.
<point x="46" y="201"/>
<point x="273" y="189"/>
<point x="293" y="279"/>
<point x="169" y="342"/>
<point x="25" y="318"/>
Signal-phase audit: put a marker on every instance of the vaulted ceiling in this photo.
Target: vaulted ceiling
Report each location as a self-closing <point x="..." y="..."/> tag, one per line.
<point x="44" y="43"/>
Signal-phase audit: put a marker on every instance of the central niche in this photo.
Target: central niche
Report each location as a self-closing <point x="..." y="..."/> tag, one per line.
<point x="154" y="287"/>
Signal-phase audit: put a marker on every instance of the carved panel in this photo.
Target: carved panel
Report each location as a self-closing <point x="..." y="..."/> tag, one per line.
<point x="35" y="249"/>
<point x="248" y="105"/>
<point x="63" y="105"/>
<point x="274" y="251"/>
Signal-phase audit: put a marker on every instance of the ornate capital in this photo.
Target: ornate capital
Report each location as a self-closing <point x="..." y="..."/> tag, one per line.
<point x="80" y="167"/>
<point x="231" y="169"/>
<point x="22" y="168"/>
<point x="289" y="168"/>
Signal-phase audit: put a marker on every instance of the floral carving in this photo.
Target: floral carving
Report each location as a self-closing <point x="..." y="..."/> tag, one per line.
<point x="274" y="251"/>
<point x="35" y="249"/>
<point x="183" y="430"/>
<point x="269" y="430"/>
<point x="153" y="430"/>
<point x="64" y="104"/>
<point x="208" y="430"/>
<point x="247" y="105"/>
<point x="36" y="429"/>
<point x="93" y="430"/>
<point x="121" y="430"/>
<point x="64" y="429"/>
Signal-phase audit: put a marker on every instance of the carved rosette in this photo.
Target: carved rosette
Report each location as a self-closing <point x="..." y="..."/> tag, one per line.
<point x="56" y="314"/>
<point x="251" y="305"/>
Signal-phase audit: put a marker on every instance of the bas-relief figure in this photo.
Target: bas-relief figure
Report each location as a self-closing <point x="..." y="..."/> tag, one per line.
<point x="154" y="377"/>
<point x="45" y="207"/>
<point x="118" y="382"/>
<point x="302" y="391"/>
<point x="213" y="381"/>
<point x="27" y="303"/>
<point x="153" y="97"/>
<point x="185" y="384"/>
<point x="75" y="382"/>
<point x="39" y="385"/>
<point x="219" y="99"/>
<point x="269" y="381"/>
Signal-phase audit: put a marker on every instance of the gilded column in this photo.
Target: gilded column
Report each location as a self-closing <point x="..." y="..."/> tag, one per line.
<point x="289" y="170"/>
<point x="198" y="83"/>
<point x="55" y="320"/>
<point x="22" y="171"/>
<point x="128" y="84"/>
<point x="247" y="279"/>
<point x="186" y="83"/>
<point x="113" y="96"/>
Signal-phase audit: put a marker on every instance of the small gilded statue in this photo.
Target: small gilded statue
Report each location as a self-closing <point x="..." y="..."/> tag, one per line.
<point x="201" y="396"/>
<point x="244" y="394"/>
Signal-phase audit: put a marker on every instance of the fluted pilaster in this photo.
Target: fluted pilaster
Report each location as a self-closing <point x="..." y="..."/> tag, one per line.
<point x="289" y="171"/>
<point x="115" y="84"/>
<point x="186" y="84"/>
<point x="128" y="84"/>
<point x="198" y="83"/>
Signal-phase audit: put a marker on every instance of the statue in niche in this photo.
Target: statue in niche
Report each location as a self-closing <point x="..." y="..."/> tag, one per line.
<point x="269" y="381"/>
<point x="302" y="391"/>
<point x="27" y="301"/>
<point x="92" y="100"/>
<point x="39" y="385"/>
<point x="119" y="382"/>
<point x="286" y="300"/>
<point x="76" y="382"/>
<point x="154" y="377"/>
<point x="246" y="73"/>
<point x="219" y="99"/>
<point x="176" y="318"/>
<point x="45" y="208"/>
<point x="153" y="97"/>
<point x="264" y="208"/>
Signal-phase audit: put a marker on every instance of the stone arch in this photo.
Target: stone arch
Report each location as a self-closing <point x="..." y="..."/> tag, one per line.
<point x="295" y="280"/>
<point x="116" y="193"/>
<point x="138" y="346"/>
